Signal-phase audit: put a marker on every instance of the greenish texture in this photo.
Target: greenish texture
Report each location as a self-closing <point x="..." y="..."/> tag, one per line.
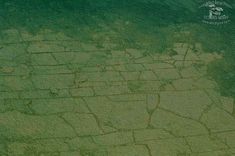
<point x="115" y="78"/>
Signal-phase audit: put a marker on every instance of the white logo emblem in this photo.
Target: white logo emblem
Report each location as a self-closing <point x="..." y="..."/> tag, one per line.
<point x="216" y="12"/>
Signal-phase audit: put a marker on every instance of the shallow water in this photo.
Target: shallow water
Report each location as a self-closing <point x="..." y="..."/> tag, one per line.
<point x="115" y="77"/>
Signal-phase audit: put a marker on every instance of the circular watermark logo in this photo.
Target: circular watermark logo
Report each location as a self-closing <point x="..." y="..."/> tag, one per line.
<point x="215" y="12"/>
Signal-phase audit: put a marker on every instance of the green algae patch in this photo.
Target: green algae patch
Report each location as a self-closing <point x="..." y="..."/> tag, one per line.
<point x="223" y="72"/>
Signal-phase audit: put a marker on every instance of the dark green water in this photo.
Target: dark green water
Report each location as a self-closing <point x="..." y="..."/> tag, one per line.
<point x="147" y="24"/>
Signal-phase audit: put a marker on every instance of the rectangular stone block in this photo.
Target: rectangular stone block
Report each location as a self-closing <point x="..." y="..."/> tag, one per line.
<point x="100" y="76"/>
<point x="43" y="59"/>
<point x="53" y="81"/>
<point x="19" y="125"/>
<point x="44" y="47"/>
<point x="151" y="134"/>
<point x="15" y="83"/>
<point x="153" y="66"/>
<point x="128" y="97"/>
<point x="112" y="139"/>
<point x="131" y="75"/>
<point x="82" y="92"/>
<point x="58" y="105"/>
<point x="47" y="70"/>
<point x="72" y="57"/>
<point x="111" y="90"/>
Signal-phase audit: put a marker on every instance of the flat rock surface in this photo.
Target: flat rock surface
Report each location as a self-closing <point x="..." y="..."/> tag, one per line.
<point x="73" y="98"/>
